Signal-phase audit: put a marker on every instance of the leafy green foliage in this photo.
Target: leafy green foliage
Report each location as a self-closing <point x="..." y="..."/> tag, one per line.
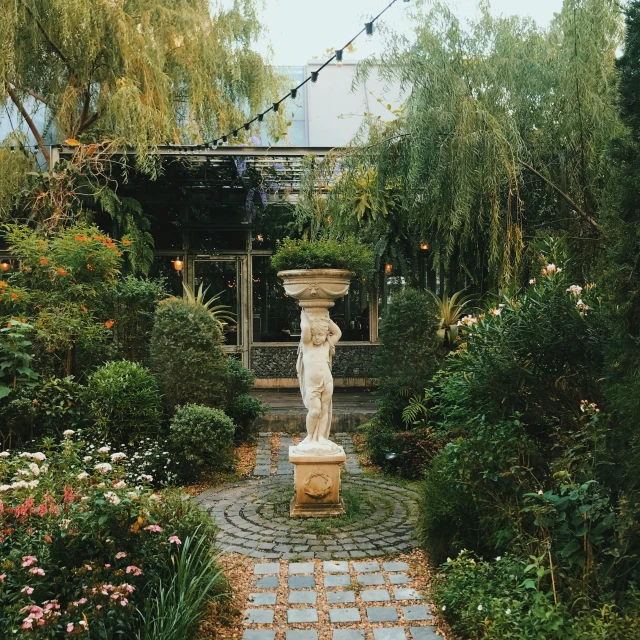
<point x="186" y="355"/>
<point x="409" y="352"/>
<point x="15" y="357"/>
<point x="504" y="599"/>
<point x="134" y="303"/>
<point x="323" y="254"/>
<point x="124" y="401"/>
<point x="203" y="437"/>
<point x="220" y="311"/>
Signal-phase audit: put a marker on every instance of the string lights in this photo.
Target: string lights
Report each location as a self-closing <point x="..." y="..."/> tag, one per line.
<point x="293" y="93"/>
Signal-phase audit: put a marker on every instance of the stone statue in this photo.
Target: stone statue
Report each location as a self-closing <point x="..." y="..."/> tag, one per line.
<point x="315" y="355"/>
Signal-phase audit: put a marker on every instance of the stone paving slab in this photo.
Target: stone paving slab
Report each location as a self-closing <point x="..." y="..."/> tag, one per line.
<point x="336" y="611"/>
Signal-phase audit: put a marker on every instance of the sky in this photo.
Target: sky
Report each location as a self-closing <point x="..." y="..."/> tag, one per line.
<point x="299" y="30"/>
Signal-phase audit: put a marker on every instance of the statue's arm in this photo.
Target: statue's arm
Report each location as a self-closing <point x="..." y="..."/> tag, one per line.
<point x="335" y="332"/>
<point x="305" y="327"/>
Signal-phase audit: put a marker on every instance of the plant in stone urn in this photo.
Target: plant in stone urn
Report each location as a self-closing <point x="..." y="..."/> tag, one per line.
<point x="316" y="274"/>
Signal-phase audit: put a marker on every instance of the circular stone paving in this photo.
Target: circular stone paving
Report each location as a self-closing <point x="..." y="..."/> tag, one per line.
<point x="253" y="517"/>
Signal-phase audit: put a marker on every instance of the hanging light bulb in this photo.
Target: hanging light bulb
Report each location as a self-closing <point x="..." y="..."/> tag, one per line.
<point x="235" y="133"/>
<point x="5" y="265"/>
<point x="260" y="117"/>
<point x="294" y="94"/>
<point x="276" y="106"/>
<point x="224" y="138"/>
<point x="368" y="28"/>
<point x="314" y="76"/>
<point x="246" y="126"/>
<point x="339" y="57"/>
<point x="178" y="264"/>
<point x="388" y="268"/>
<point x="424" y="246"/>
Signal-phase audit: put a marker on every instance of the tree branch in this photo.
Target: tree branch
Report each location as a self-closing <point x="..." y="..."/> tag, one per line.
<point x="563" y="195"/>
<point x="45" y="35"/>
<point x="31" y="92"/>
<point x="88" y="122"/>
<point x="30" y="123"/>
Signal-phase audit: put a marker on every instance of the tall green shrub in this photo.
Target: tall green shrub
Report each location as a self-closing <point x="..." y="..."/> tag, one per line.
<point x="186" y="355"/>
<point x="124" y="400"/>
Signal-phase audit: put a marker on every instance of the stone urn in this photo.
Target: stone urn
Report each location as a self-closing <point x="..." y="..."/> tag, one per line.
<point x="316" y="459"/>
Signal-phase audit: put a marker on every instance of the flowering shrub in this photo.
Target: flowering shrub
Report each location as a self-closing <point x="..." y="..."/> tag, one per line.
<point x="81" y="547"/>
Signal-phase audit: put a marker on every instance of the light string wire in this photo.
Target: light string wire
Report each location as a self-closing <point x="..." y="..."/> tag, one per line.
<point x="212" y="144"/>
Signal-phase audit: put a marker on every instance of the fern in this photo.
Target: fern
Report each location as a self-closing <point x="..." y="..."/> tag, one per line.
<point x="416" y="409"/>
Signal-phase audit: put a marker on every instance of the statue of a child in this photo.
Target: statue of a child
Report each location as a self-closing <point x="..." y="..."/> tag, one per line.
<point x="315" y="356"/>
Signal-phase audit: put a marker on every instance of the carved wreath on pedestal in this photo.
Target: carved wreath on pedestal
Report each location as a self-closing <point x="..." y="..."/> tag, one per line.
<point x="318" y="486"/>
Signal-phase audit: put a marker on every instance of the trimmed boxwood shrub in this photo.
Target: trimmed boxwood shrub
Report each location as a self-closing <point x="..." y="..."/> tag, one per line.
<point x="203" y="438"/>
<point x="186" y="355"/>
<point x="124" y="401"/>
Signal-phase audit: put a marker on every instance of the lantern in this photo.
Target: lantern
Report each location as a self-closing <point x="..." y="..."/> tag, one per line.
<point x="5" y="265"/>
<point x="178" y="264"/>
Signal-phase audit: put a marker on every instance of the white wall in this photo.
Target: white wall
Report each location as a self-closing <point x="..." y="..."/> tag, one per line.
<point x="335" y="112"/>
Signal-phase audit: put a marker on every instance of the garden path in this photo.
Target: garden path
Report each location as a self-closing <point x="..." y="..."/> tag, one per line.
<point x="336" y="600"/>
<point x="265" y="454"/>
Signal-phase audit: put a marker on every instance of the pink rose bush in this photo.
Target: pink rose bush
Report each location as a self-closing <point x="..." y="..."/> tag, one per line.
<point x="81" y="546"/>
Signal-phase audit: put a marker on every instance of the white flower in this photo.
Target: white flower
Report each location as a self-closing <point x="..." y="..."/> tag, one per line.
<point x="508" y="611"/>
<point x="39" y="456"/>
<point x="540" y="492"/>
<point x="23" y="472"/>
<point x="35" y="469"/>
<point x="145" y="478"/>
<point x="33" y="484"/>
<point x="532" y="281"/>
<point x="156" y="497"/>
<point x="104" y="449"/>
<point x="112" y="498"/>
<point x="495" y="312"/>
<point x="117" y="456"/>
<point x="499" y="558"/>
<point x="4" y="487"/>
<point x="4" y="454"/>
<point x="68" y="433"/>
<point x="83" y="475"/>
<point x="87" y="459"/>
<point x="444" y="607"/>
<point x="575" y="290"/>
<point x="20" y="484"/>
<point x="120" y="485"/>
<point x="25" y="454"/>
<point x="479" y="607"/>
<point x="132" y="494"/>
<point x="103" y="467"/>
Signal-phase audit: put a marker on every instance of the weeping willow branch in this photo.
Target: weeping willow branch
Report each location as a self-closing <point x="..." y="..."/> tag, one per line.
<point x="563" y="195"/>
<point x="29" y="121"/>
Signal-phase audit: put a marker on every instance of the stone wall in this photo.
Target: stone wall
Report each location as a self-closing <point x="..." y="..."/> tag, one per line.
<point x="279" y="361"/>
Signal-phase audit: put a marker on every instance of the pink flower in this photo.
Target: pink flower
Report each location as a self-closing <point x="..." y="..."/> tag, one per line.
<point x="70" y="627"/>
<point x="120" y="554"/>
<point x="133" y="569"/>
<point x="107" y="566"/>
<point x="88" y="567"/>
<point x="124" y="602"/>
<point x="27" y="624"/>
<point x="175" y="540"/>
<point x="154" y="528"/>
<point x="28" y="590"/>
<point x="98" y="606"/>
<point x="2" y="576"/>
<point x="27" y="561"/>
<point x="37" y="571"/>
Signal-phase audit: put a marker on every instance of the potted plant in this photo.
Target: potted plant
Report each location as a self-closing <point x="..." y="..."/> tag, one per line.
<point x="320" y="271"/>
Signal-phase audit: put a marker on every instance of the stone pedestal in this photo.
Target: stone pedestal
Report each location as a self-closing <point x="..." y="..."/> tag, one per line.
<point x="317" y="484"/>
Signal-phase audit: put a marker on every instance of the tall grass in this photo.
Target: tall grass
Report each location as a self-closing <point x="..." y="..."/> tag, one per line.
<point x="174" y="608"/>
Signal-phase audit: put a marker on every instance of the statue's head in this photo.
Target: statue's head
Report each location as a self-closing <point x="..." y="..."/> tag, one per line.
<point x="319" y="331"/>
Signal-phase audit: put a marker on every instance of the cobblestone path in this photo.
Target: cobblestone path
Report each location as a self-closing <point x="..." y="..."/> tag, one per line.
<point x="339" y="600"/>
<point x="253" y="517"/>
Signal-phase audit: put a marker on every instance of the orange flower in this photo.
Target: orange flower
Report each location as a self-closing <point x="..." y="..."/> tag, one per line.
<point x="61" y="271"/>
<point x="79" y="238"/>
<point x="109" y="323"/>
<point x="14" y="296"/>
<point x="3" y="283"/>
<point x="90" y="255"/>
<point x="84" y="309"/>
<point x="43" y="261"/>
<point x="126" y="243"/>
<point x="89" y="267"/>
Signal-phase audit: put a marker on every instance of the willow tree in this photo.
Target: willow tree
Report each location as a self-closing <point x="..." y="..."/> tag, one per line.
<point x="146" y="72"/>
<point x="504" y="134"/>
